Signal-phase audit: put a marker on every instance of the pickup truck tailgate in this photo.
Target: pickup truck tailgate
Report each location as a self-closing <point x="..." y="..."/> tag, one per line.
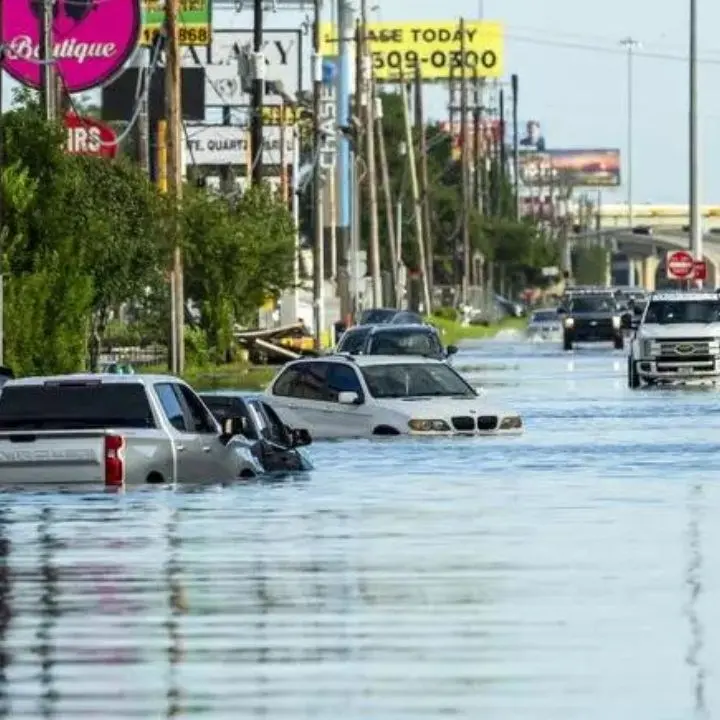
<point x="52" y="457"/>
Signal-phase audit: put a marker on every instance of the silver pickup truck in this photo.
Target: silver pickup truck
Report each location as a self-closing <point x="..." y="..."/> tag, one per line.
<point x="115" y="431"/>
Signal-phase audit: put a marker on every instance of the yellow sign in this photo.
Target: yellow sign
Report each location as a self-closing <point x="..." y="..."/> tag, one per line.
<point x="281" y="115"/>
<point x="435" y="48"/>
<point x="194" y="21"/>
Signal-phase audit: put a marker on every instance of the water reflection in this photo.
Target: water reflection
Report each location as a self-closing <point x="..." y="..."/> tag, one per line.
<point x="5" y="614"/>
<point x="49" y="611"/>
<point x="177" y="606"/>
<point x="696" y="502"/>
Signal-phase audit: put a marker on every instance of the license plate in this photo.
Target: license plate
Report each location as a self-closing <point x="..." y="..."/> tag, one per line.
<point x="685" y="371"/>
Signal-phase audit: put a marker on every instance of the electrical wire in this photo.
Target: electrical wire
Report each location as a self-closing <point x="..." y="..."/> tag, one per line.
<point x="144" y="78"/>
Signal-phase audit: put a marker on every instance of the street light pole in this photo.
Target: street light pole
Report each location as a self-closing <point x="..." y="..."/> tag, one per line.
<point x="696" y="236"/>
<point x="630" y="44"/>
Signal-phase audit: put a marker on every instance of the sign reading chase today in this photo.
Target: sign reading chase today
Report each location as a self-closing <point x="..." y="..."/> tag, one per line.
<point x="92" y="40"/>
<point x="434" y="47"/>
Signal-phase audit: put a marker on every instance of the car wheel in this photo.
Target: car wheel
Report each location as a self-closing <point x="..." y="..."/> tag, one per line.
<point x="632" y="372"/>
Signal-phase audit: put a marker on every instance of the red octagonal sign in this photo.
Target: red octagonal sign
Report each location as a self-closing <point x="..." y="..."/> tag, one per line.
<point x="87" y="136"/>
<point x="680" y="265"/>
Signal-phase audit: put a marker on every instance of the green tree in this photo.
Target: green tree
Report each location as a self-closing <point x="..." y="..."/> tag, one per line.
<point x="235" y="258"/>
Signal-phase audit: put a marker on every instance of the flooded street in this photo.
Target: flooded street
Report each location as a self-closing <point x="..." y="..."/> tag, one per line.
<point x="573" y="572"/>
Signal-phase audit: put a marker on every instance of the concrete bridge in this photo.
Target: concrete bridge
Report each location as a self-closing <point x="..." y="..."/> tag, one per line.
<point x="657" y="216"/>
<point x="642" y="252"/>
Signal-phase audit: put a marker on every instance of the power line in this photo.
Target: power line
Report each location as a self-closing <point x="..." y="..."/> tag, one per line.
<point x="619" y="51"/>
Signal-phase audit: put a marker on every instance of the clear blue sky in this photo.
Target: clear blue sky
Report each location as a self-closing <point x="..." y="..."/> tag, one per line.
<point x="573" y="77"/>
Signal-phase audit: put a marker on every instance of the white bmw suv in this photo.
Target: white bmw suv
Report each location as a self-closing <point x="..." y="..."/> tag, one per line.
<point x="343" y="396"/>
<point x="678" y="339"/>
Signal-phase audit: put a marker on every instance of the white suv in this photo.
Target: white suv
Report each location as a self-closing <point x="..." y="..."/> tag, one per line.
<point x="678" y="339"/>
<point x="338" y="396"/>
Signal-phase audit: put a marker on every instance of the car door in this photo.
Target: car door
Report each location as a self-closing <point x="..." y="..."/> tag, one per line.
<point x="276" y="449"/>
<point x="185" y="439"/>
<point x="346" y="420"/>
<point x="214" y="460"/>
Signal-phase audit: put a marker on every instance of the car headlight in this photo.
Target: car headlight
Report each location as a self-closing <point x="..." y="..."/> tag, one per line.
<point x="512" y="422"/>
<point x="569" y="322"/>
<point x="428" y="426"/>
<point x="646" y="348"/>
<point x="616" y="321"/>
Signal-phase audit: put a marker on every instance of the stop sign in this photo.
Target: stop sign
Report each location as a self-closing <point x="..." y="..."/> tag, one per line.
<point x="87" y="136"/>
<point x="680" y="265"/>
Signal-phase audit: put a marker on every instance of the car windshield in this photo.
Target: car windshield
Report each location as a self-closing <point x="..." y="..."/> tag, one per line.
<point x="404" y="342"/>
<point x="668" y="312"/>
<point x="592" y="303"/>
<point x="377" y="315"/>
<point x="544" y="316"/>
<point x="416" y="380"/>
<point x="353" y="340"/>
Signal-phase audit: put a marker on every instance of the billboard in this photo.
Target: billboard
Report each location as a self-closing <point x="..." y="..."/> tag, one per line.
<point x="220" y="145"/>
<point x="92" y="40"/>
<point x="229" y="74"/>
<point x="599" y="167"/>
<point x="194" y="21"/>
<point x="434" y="47"/>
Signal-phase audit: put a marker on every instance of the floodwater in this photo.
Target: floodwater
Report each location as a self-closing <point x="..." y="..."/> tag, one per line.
<point x="571" y="573"/>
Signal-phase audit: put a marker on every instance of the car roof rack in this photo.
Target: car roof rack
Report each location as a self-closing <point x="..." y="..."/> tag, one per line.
<point x="343" y="354"/>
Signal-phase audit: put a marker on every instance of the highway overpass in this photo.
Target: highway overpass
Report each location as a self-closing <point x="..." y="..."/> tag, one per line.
<point x="616" y="215"/>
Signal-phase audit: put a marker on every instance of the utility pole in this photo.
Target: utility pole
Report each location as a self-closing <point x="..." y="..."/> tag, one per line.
<point x="49" y="92"/>
<point x="319" y="245"/>
<point x="174" y="152"/>
<point x="630" y="44"/>
<point x="143" y="117"/>
<point x="696" y="232"/>
<point x="415" y="195"/>
<point x="256" y="124"/>
<point x="387" y="193"/>
<point x="465" y="163"/>
<point x="516" y="149"/>
<point x="377" y="294"/>
<point x="2" y="214"/>
<point x="424" y="181"/>
<point x="357" y="176"/>
<point x="478" y="140"/>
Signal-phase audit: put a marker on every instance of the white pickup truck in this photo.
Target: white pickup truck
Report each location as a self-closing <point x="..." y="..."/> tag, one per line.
<point x="114" y="431"/>
<point x="677" y="339"/>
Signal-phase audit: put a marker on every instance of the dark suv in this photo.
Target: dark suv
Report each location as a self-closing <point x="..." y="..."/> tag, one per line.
<point x="593" y="317"/>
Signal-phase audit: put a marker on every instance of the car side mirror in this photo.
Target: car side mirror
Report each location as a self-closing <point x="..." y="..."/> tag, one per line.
<point x="626" y="321"/>
<point x="233" y="426"/>
<point x="348" y="398"/>
<point x="300" y="437"/>
<point x="451" y="349"/>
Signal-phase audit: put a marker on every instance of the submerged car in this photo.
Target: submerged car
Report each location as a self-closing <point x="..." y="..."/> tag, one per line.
<point x="593" y="317"/>
<point x="544" y="324"/>
<point x="275" y="445"/>
<point x="340" y="396"/>
<point x="390" y="339"/>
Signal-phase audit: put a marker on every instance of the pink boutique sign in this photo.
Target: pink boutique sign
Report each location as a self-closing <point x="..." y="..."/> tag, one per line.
<point x="92" y="40"/>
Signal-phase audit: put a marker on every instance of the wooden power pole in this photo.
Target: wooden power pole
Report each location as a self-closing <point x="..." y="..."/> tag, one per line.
<point x="175" y="158"/>
<point x="424" y="181"/>
<point x="465" y="167"/>
<point x="415" y="195"/>
<point x="319" y="141"/>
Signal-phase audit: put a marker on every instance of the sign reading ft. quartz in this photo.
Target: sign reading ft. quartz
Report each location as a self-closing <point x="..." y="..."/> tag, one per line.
<point x="92" y="40"/>
<point x="433" y="47"/>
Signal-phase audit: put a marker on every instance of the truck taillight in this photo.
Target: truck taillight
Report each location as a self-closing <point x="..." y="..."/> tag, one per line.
<point x="114" y="461"/>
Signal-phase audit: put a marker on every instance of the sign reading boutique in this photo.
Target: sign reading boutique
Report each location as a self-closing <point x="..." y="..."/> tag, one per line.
<point x="221" y="145"/>
<point x="92" y="40"/>
<point x="433" y="47"/>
